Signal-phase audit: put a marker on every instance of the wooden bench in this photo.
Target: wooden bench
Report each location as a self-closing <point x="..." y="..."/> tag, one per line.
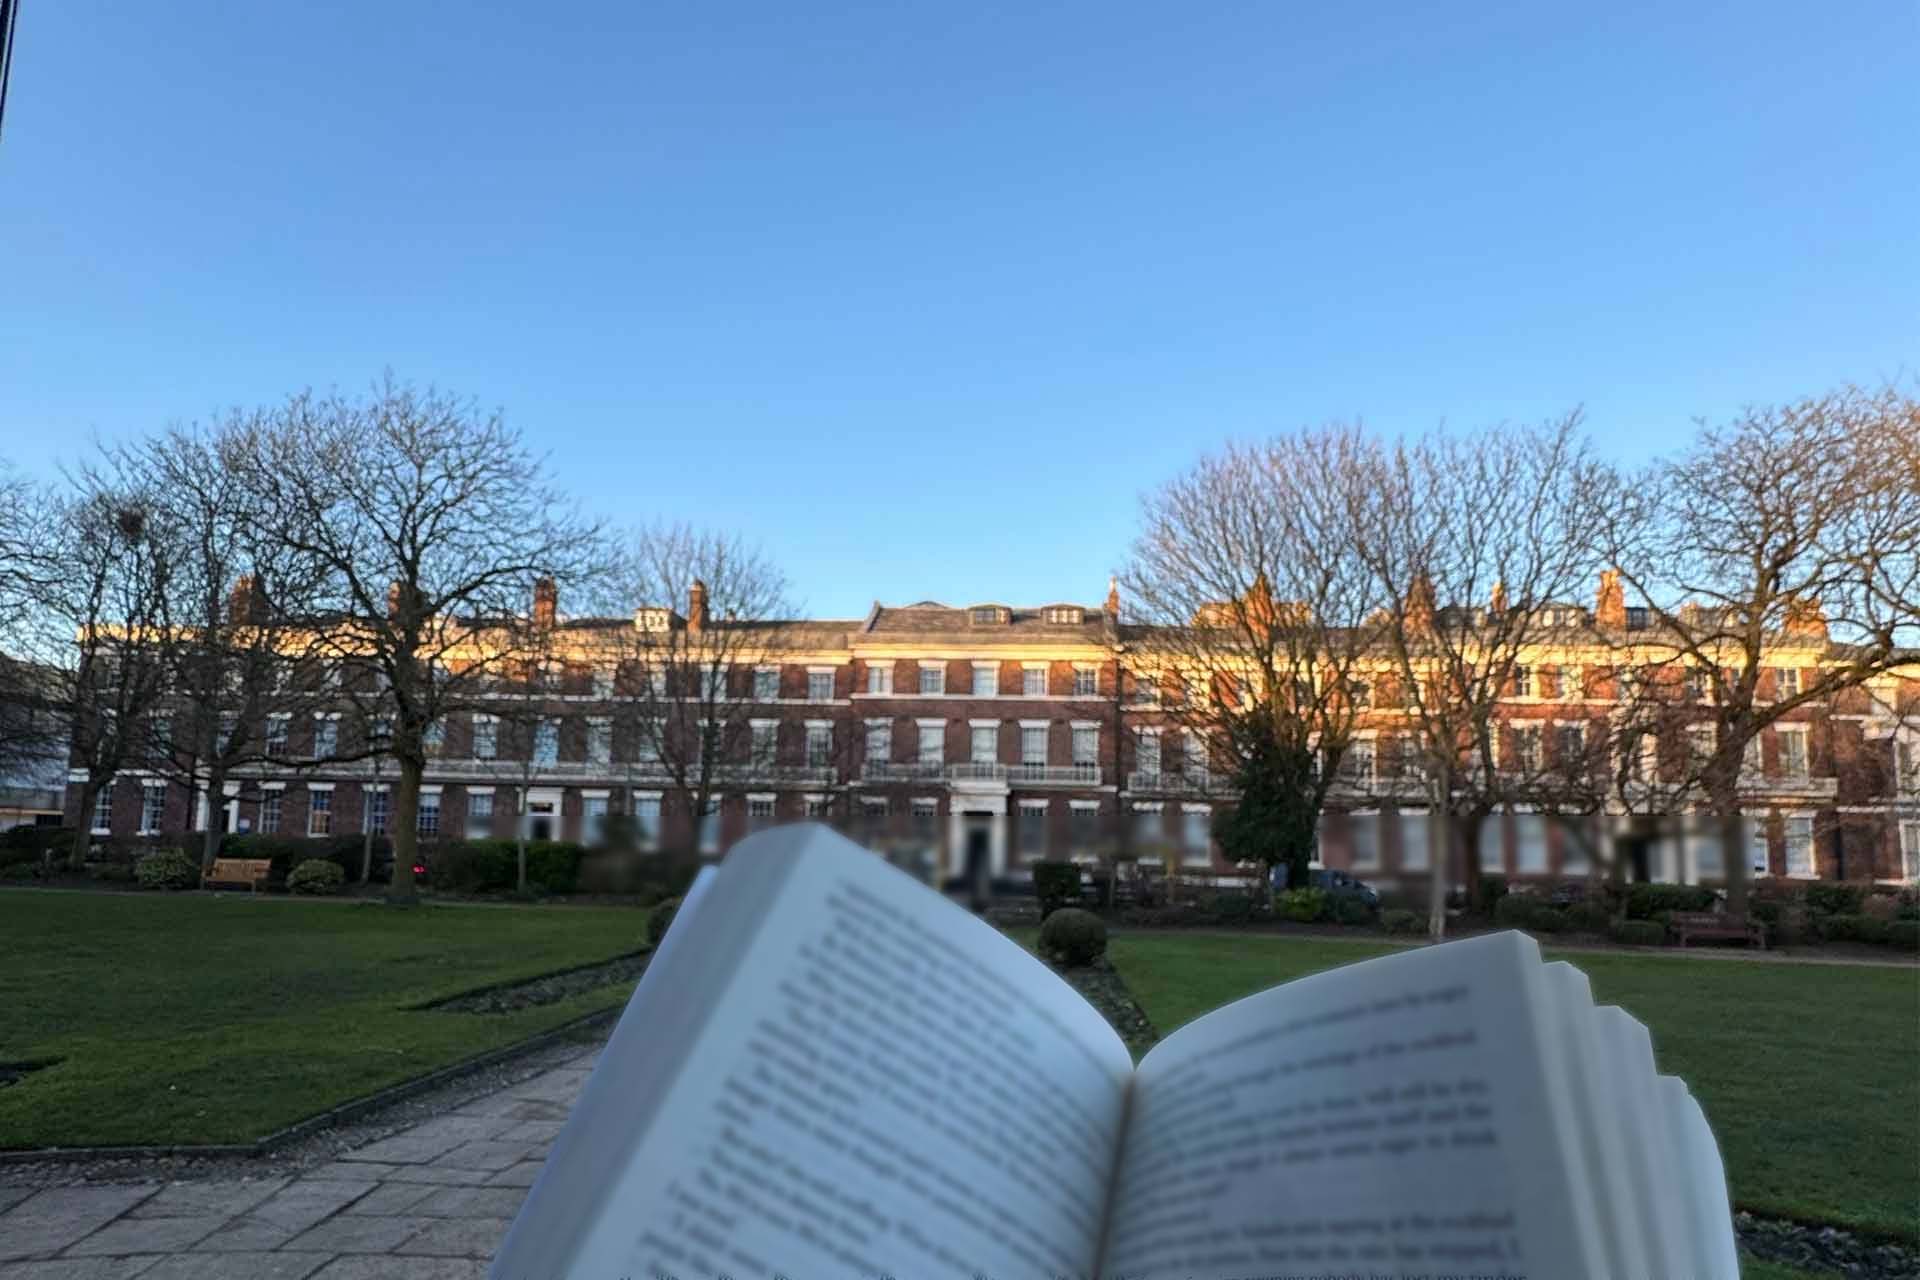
<point x="248" y="872"/>
<point x="1708" y="924"/>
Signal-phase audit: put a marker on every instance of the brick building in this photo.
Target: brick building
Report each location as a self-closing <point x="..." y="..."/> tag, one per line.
<point x="992" y="736"/>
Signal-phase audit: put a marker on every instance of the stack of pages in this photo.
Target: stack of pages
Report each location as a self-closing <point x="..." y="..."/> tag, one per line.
<point x="829" y="1071"/>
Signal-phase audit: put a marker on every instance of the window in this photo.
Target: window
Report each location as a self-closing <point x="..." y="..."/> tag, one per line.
<point x="819" y="686"/>
<point x="1146" y="752"/>
<point x="1406" y="757"/>
<point x="1906" y="766"/>
<point x="933" y="679"/>
<point x="1524" y="747"/>
<point x="819" y="746"/>
<point x="1786" y="682"/>
<point x="646" y="818"/>
<point x="270" y="812"/>
<point x="1493" y="839"/>
<point x="880" y="679"/>
<point x="1910" y="850"/>
<point x="1359" y="694"/>
<point x="759" y="812"/>
<point x="646" y="742"/>
<point x="486" y="737"/>
<point x="153" y="806"/>
<point x="986" y="681"/>
<point x="426" y="818"/>
<point x="599" y="739"/>
<point x="1086" y="744"/>
<point x="1145" y="689"/>
<point x="1799" y="832"/>
<point x="1033" y="744"/>
<point x="1636" y="617"/>
<point x="1361" y="762"/>
<point x="984" y="744"/>
<point x="1083" y="823"/>
<point x="933" y="744"/>
<point x="276" y="740"/>
<point x="1700" y="742"/>
<point x="319" y="813"/>
<point x="879" y="740"/>
<point x="1702" y="854"/>
<point x="766" y="743"/>
<point x="1149" y="829"/>
<point x="1033" y="682"/>
<point x="1414" y="837"/>
<point x="1750" y="757"/>
<point x="593" y="818"/>
<point x="479" y="814"/>
<point x="1529" y="843"/>
<point x="603" y="682"/>
<point x="816" y="808"/>
<point x="1086" y="682"/>
<point x="1793" y="752"/>
<point x="1363" y="834"/>
<point x="1523" y="682"/>
<point x="766" y="684"/>
<point x="1196" y="835"/>
<point x="709" y="827"/>
<point x="546" y="742"/>
<point x="984" y="616"/>
<point x="874" y="812"/>
<point x="326" y="736"/>
<point x="1071" y="615"/>
<point x="1699" y="684"/>
<point x="380" y="732"/>
<point x="1570" y="743"/>
<point x="377" y="811"/>
<point x="434" y="737"/>
<point x="1033" y="830"/>
<point x="1759" y="852"/>
<point x="159" y="733"/>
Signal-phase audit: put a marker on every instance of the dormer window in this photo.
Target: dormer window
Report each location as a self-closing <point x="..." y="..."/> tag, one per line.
<point x="988" y="615"/>
<point x="1069" y="615"/>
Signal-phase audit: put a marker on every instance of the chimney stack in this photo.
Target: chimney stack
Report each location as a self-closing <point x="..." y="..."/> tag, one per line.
<point x="1498" y="602"/>
<point x="1113" y="597"/>
<point x="248" y="603"/>
<point x="1806" y="618"/>
<point x="546" y="603"/>
<point x="395" y="591"/>
<point x="1419" y="610"/>
<point x="1610" y="605"/>
<point x="697" y="606"/>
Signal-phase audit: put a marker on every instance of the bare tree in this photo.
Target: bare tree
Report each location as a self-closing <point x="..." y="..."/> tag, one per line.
<point x="95" y="625"/>
<point x="1791" y="530"/>
<point x="1472" y="542"/>
<point x="34" y="734"/>
<point x="1264" y="616"/>
<point x="685" y="691"/>
<point x="234" y="621"/>
<point x="432" y="522"/>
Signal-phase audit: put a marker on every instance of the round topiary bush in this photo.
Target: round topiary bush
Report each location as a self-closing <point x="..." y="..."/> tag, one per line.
<point x="316" y="875"/>
<point x="167" y="869"/>
<point x="661" y="920"/>
<point x="1303" y="906"/>
<point x="1400" y="920"/>
<point x="1904" y="935"/>
<point x="1072" y="937"/>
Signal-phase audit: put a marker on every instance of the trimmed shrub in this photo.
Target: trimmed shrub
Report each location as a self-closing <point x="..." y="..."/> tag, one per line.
<point x="1881" y="906"/>
<point x="1834" y="898"/>
<point x="1493" y="888"/>
<point x="1589" y="916"/>
<point x="35" y="844"/>
<point x="1904" y="935"/>
<point x="1852" y="928"/>
<point x="1234" y="908"/>
<point x="167" y="869"/>
<point x="1303" y="905"/>
<point x="1517" y="911"/>
<point x="111" y="872"/>
<point x="476" y="866"/>
<point x="1793" y="927"/>
<point x="1648" y="901"/>
<point x="1056" y="885"/>
<point x="1072" y="938"/>
<point x="19" y="870"/>
<point x="1349" y="908"/>
<point x="554" y="866"/>
<point x="1639" y="933"/>
<point x="1400" y="920"/>
<point x="316" y="876"/>
<point x="661" y="920"/>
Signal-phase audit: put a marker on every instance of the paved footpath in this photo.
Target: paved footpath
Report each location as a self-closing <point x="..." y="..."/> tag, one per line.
<point x="430" y="1202"/>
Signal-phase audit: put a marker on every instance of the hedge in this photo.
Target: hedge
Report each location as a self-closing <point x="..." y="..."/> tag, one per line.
<point x="1647" y="901"/>
<point x="1639" y="933"/>
<point x="1056" y="885"/>
<point x="1517" y="911"/>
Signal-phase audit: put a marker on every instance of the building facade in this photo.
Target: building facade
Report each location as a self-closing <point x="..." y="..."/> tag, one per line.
<point x="987" y="737"/>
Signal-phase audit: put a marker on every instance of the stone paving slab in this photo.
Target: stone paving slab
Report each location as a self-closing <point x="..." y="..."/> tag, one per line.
<point x="430" y="1202"/>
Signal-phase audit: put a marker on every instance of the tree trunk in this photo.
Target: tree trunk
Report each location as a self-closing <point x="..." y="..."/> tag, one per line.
<point x="83" y="827"/>
<point x="210" y="838"/>
<point x="520" y="843"/>
<point x="1733" y="858"/>
<point x="401" y="889"/>
<point x="366" y="842"/>
<point x="1437" y="858"/>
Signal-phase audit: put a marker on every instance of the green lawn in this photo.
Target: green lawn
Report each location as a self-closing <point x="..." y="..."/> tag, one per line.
<point x="219" y="1019"/>
<point x="1810" y="1074"/>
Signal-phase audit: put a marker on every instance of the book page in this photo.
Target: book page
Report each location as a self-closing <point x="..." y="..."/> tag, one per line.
<point x="1703" y="1183"/>
<point x="1641" y="1116"/>
<point x="1591" y="1088"/>
<point x="1402" y="1117"/>
<point x="885" y="1086"/>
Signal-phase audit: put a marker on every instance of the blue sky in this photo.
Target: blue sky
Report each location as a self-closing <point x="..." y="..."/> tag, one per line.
<point x="924" y="296"/>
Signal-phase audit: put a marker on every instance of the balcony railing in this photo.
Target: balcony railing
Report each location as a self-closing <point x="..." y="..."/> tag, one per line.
<point x="903" y="770"/>
<point x="1024" y="775"/>
<point x="1189" y="782"/>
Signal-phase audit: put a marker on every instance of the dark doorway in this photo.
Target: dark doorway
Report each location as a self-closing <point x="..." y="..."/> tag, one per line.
<point x="978" y="861"/>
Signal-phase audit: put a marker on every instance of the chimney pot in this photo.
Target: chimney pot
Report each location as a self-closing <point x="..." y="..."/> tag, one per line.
<point x="697" y="606"/>
<point x="546" y="603"/>
<point x="1610" y="604"/>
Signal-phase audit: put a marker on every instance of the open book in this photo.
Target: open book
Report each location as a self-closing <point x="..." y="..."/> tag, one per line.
<point x="829" y="1071"/>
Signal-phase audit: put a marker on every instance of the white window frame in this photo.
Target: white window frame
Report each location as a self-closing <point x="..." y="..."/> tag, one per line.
<point x="975" y="731"/>
<point x="1030" y="673"/>
<point x="819" y="744"/>
<point x="600" y="739"/>
<point x="270" y="793"/>
<point x="880" y="678"/>
<point x="331" y="719"/>
<point x="1759" y="842"/>
<point x="938" y="670"/>
<point x="1033" y="818"/>
<point x="938" y="731"/>
<point x="1802" y="733"/>
<point x="594" y="807"/>
<point x="315" y="790"/>
<point x="1376" y="826"/>
<point x="1189" y="854"/>
<point x="646" y="818"/>
<point x="1909" y="848"/>
<point x="378" y="817"/>
<point x="706" y="826"/>
<point x="546" y="729"/>
<point x="814" y="676"/>
<point x="758" y="821"/>
<point x="879" y="748"/>
<point x="1083" y="731"/>
<point x="428" y="805"/>
<point x="1788" y="823"/>
<point x="1086" y="681"/>
<point x="479" y="832"/>
<point x="278" y="726"/>
<point x="766" y="684"/>
<point x="763" y="743"/>
<point x="1142" y="753"/>
<point x="1029" y="727"/>
<point x="1523" y="819"/>
<point x="150" y="821"/>
<point x="486" y="729"/>
<point x="990" y="671"/>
